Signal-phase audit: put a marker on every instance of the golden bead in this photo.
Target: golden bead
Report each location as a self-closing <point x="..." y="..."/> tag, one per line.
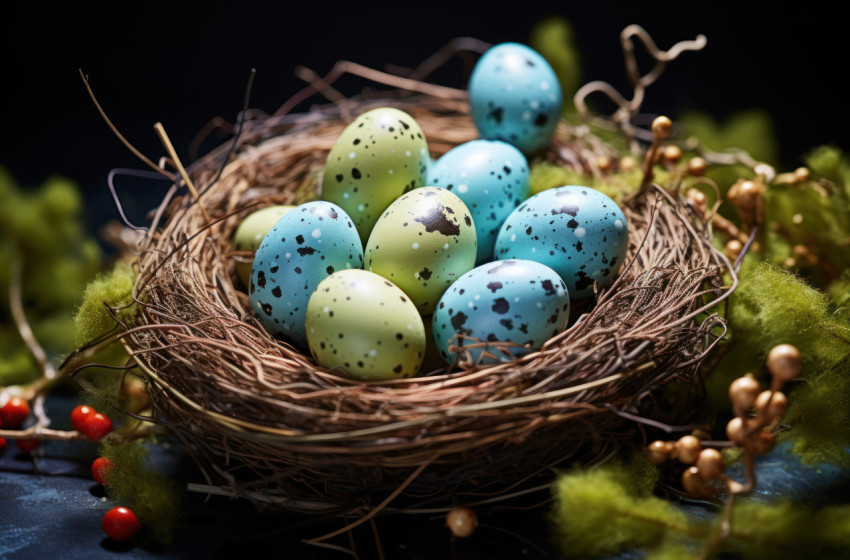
<point x="772" y="404"/>
<point x="658" y="452"/>
<point x="461" y="521"/>
<point x="687" y="449"/>
<point x="672" y="153"/>
<point x="784" y="362"/>
<point x="604" y="164"/>
<point x="697" y="196"/>
<point x="743" y="391"/>
<point x="801" y="174"/>
<point x="710" y="463"/>
<point x="733" y="248"/>
<point x="694" y="484"/>
<point x="661" y="128"/>
<point x="735" y="430"/>
<point x="747" y="194"/>
<point x="697" y="167"/>
<point x="628" y="164"/>
<point x="790" y="262"/>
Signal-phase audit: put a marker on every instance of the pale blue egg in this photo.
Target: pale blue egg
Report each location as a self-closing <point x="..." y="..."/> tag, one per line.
<point x="304" y="247"/>
<point x="491" y="178"/>
<point x="517" y="301"/>
<point x="515" y="96"/>
<point x="577" y="231"/>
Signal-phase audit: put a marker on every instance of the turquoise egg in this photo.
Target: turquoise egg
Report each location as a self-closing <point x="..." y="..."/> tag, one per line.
<point x="514" y="300"/>
<point x="577" y="231"/>
<point x="304" y="247"/>
<point x="491" y="178"/>
<point x="515" y="97"/>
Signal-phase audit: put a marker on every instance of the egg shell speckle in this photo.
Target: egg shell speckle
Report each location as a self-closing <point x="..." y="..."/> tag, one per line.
<point x="251" y="232"/>
<point x="491" y="178"/>
<point x="515" y="96"/>
<point x="381" y="155"/>
<point x="519" y="301"/>
<point x="362" y="324"/>
<point x="577" y="231"/>
<point x="305" y="246"/>
<point x="422" y="243"/>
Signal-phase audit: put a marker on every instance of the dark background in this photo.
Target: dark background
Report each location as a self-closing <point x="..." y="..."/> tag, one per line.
<point x="183" y="63"/>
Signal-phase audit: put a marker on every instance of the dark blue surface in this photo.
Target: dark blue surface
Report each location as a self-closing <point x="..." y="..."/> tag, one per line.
<point x="51" y="508"/>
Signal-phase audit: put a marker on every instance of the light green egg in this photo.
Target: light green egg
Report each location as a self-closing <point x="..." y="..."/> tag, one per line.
<point x="250" y="234"/>
<point x="363" y="325"/>
<point x="377" y="158"/>
<point x="422" y="243"/>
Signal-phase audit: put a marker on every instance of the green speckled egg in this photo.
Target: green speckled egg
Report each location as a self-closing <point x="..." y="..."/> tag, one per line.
<point x="377" y="158"/>
<point x="422" y="243"/>
<point x="251" y="232"/>
<point x="365" y="326"/>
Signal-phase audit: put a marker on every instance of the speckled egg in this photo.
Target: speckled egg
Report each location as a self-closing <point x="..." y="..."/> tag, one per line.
<point x="422" y="243"/>
<point x="251" y="232"/>
<point x="365" y="326"/>
<point x="377" y="158"/>
<point x="491" y="178"/>
<point x="514" y="300"/>
<point x="577" y="231"/>
<point x="515" y="96"/>
<point x="304" y="247"/>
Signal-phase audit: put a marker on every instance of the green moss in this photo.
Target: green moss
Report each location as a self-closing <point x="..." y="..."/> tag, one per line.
<point x="153" y="497"/>
<point x="606" y="510"/>
<point x="115" y="289"/>
<point x="546" y="175"/>
<point x="773" y="307"/>
<point x="554" y="38"/>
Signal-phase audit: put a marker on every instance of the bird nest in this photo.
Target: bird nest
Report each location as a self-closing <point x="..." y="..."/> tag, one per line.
<point x="263" y="421"/>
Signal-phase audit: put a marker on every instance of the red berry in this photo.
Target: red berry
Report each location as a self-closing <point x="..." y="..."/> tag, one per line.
<point x="79" y="416"/>
<point x="2" y="445"/>
<point x="97" y="426"/>
<point x="14" y="412"/>
<point x="120" y="523"/>
<point x="27" y="444"/>
<point x="100" y="469"/>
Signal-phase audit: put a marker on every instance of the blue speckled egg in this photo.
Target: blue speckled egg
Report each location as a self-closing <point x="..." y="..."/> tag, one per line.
<point x="577" y="231"/>
<point x="515" y="96"/>
<point x="518" y="301"/>
<point x="304" y="247"/>
<point x="491" y="178"/>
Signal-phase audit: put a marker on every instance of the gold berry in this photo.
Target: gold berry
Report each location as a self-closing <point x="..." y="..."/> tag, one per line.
<point x="735" y="430"/>
<point x="694" y="484"/>
<point x="687" y="449"/>
<point x="784" y="362"/>
<point x="801" y="174"/>
<point x="710" y="463"/>
<point x="743" y="392"/>
<point x="661" y="128"/>
<point x="697" y="167"/>
<point x="628" y="164"/>
<point x="658" y="452"/>
<point x="604" y="163"/>
<point x="772" y="404"/>
<point x="672" y="153"/>
<point x="461" y="521"/>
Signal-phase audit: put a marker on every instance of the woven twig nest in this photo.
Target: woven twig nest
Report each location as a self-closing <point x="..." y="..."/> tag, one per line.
<point x="265" y="422"/>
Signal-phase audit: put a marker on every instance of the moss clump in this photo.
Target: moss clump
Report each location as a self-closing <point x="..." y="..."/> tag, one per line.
<point x="113" y="289"/>
<point x="605" y="511"/>
<point x="153" y="497"/>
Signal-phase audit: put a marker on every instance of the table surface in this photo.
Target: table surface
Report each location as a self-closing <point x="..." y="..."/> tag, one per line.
<point x="51" y="508"/>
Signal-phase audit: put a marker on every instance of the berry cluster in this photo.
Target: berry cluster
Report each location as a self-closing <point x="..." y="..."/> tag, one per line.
<point x="757" y="415"/>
